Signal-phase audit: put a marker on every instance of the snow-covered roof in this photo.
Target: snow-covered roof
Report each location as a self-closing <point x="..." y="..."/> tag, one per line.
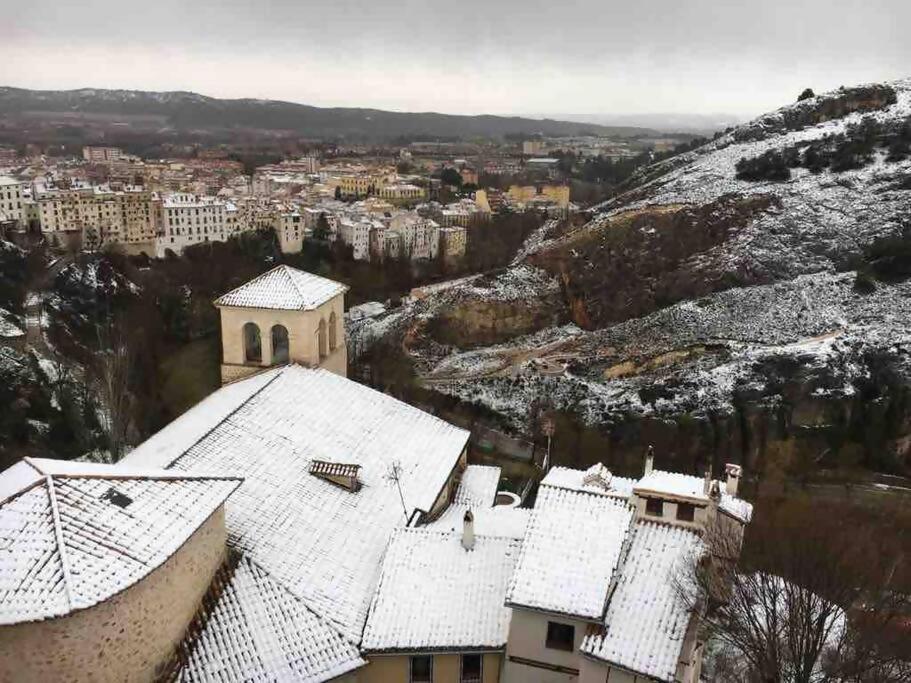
<point x="646" y="621"/>
<point x="736" y="507"/>
<point x="570" y="551"/>
<point x="75" y="534"/>
<point x="284" y="288"/>
<point x="436" y="595"/>
<point x="251" y="628"/>
<point x="672" y="483"/>
<point x="322" y="542"/>
<point x="501" y="520"/>
<point x="478" y="486"/>
<point x="568" y="478"/>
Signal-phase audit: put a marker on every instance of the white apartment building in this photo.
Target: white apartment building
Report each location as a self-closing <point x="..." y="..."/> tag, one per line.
<point x="355" y="232"/>
<point x="420" y="236"/>
<point x="101" y="155"/>
<point x="10" y="200"/>
<point x="188" y="219"/>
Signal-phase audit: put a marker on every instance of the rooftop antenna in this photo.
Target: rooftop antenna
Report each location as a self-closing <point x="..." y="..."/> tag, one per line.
<point x="395" y="475"/>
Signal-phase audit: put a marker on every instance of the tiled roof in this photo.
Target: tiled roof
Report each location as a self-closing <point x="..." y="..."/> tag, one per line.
<point x="570" y="551"/>
<point x="74" y="534"/>
<point x="436" y="595"/>
<point x="478" y="487"/>
<point x="646" y="622"/>
<point x="673" y="483"/>
<point x="251" y="628"/>
<point x="283" y="288"/>
<point x="501" y="520"/>
<point x="323" y="543"/>
<point x="567" y="478"/>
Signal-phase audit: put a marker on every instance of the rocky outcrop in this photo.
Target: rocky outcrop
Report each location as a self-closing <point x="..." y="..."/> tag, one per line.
<point x="633" y="262"/>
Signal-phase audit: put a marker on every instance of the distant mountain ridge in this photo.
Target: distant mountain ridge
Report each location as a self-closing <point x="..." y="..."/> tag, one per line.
<point x="188" y="110"/>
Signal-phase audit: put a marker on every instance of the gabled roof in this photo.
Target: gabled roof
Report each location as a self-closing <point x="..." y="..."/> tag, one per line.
<point x="75" y="534"/>
<point x="570" y="551"/>
<point x="251" y="628"/>
<point x="646" y="621"/>
<point x="674" y="484"/>
<point x="478" y="486"/>
<point x="284" y="288"/>
<point x="435" y="595"/>
<point x="323" y="543"/>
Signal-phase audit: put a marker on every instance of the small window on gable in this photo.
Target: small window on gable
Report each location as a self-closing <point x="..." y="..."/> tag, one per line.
<point x="338" y="473"/>
<point x="471" y="669"/>
<point x="421" y="669"/>
<point x="686" y="512"/>
<point x="560" y="636"/>
<point x="654" y="507"/>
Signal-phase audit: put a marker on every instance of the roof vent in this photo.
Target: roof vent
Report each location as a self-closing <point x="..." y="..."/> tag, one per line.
<point x="598" y="475"/>
<point x="117" y="498"/>
<point x="338" y="473"/>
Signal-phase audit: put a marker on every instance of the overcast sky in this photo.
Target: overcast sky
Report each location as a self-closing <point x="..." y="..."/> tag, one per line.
<point x="739" y="57"/>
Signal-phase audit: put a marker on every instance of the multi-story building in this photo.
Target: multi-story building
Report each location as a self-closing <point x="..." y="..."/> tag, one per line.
<point x="188" y="219"/>
<point x="355" y="232"/>
<point x="128" y="217"/>
<point x="420" y="237"/>
<point x="453" y="241"/>
<point x="401" y="193"/>
<point x="101" y="155"/>
<point x="11" y="206"/>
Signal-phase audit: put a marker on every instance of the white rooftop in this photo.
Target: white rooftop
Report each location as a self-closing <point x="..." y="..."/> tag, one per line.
<point x="574" y="480"/>
<point x="570" y="552"/>
<point x="436" y="595"/>
<point x="673" y="483"/>
<point x="253" y="629"/>
<point x="74" y="534"/>
<point x="323" y="543"/>
<point x="478" y="487"/>
<point x="283" y="288"/>
<point x="646" y="622"/>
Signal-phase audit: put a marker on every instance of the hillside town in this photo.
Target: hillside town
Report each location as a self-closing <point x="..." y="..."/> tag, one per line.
<point x="414" y="203"/>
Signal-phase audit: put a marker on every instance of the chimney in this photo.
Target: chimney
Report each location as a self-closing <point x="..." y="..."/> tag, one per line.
<point x="649" y="461"/>
<point x="707" y="486"/>
<point x="468" y="531"/>
<point x="733" y="473"/>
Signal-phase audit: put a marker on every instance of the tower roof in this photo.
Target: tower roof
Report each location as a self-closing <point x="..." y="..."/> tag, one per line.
<point x="75" y="534"/>
<point x="283" y="288"/>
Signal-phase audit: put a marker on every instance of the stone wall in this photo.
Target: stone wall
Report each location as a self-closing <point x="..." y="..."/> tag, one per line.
<point x="128" y="637"/>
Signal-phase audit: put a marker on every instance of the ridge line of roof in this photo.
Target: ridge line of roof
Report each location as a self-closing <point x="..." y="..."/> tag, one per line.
<point x="226" y="417"/>
<point x="325" y="620"/>
<point x="31" y="463"/>
<point x="244" y="284"/>
<point x="58" y="536"/>
<point x="291" y="280"/>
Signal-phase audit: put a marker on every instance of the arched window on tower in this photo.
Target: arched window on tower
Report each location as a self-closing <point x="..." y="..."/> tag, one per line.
<point x="333" y="340"/>
<point x="253" y="344"/>
<point x="322" y="338"/>
<point x="280" y="353"/>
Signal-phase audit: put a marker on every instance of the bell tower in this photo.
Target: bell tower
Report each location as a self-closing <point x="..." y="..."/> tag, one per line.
<point x="283" y="316"/>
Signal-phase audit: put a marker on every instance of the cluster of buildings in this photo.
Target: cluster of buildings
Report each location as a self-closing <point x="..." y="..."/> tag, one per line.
<point x="297" y="525"/>
<point x="156" y="207"/>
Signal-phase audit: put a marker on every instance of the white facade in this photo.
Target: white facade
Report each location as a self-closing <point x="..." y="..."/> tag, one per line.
<point x="10" y="200"/>
<point x="188" y="219"/>
<point x="356" y="234"/>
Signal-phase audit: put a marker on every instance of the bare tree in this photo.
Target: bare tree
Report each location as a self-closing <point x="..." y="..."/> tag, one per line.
<point x="798" y="599"/>
<point x="112" y="373"/>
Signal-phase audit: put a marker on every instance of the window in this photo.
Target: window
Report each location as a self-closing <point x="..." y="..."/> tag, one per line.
<point x="321" y="333"/>
<point x="253" y="348"/>
<point x="422" y="669"/>
<point x="471" y="669"/>
<point x="560" y="636"/>
<point x="332" y="339"/>
<point x="654" y="507"/>
<point x="279" y="344"/>
<point x="686" y="512"/>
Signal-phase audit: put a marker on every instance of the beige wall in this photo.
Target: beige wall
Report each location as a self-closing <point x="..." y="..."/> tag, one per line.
<point x="127" y="637"/>
<point x="700" y="518"/>
<point x="303" y="342"/>
<point x="446" y="668"/>
<point x="527" y="636"/>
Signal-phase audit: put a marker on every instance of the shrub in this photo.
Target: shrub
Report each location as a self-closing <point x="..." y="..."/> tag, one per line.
<point x="806" y="95"/>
